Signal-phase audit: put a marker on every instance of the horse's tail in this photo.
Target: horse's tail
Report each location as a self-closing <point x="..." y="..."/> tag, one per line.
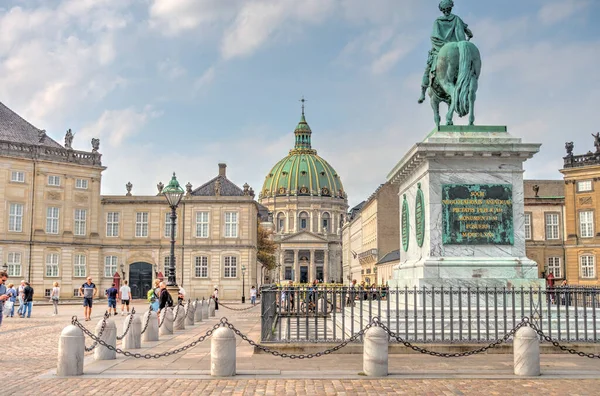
<point x="466" y="72"/>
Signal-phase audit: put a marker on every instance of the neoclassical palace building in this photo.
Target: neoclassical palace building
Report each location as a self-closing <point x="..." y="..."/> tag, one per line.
<point x="56" y="225"/>
<point x="306" y="201"/>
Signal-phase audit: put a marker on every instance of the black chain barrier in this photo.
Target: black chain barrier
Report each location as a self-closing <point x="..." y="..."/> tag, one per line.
<point x="147" y="321"/>
<point x="238" y="309"/>
<point x="128" y="325"/>
<point x="106" y="316"/>
<point x="562" y="347"/>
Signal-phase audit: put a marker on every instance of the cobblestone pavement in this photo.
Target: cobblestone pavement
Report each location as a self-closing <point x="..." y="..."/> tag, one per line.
<point x="29" y="352"/>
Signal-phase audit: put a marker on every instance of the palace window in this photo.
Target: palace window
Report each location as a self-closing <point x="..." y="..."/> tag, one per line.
<point x="110" y="266"/>
<point x="280" y="222"/>
<point x="112" y="224"/>
<point x="325" y="222"/>
<point x="141" y="224"/>
<point x="79" y="270"/>
<point x="52" y="265"/>
<point x="167" y="263"/>
<point x="554" y="267"/>
<point x="80" y="222"/>
<point x="552" y="226"/>
<point x="527" y="226"/>
<point x="15" y="218"/>
<point x="52" y="217"/>
<point x="202" y="224"/>
<point x="231" y="224"/>
<point x="587" y="267"/>
<point x="54" y="181"/>
<point x="14" y="264"/>
<point x="288" y="273"/>
<point x="230" y="267"/>
<point x="586" y="224"/>
<point x="303" y="220"/>
<point x="168" y="225"/>
<point x="201" y="267"/>
<point x="17" y="177"/>
<point x="81" y="184"/>
<point x="584" y="185"/>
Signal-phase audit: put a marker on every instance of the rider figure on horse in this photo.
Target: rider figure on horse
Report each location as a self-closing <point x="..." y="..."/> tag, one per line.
<point x="447" y="28"/>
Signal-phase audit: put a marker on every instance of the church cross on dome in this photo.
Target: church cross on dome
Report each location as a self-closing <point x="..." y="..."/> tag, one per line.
<point x="303" y="100"/>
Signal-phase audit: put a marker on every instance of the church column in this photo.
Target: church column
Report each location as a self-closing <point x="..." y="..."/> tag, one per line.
<point x="319" y="225"/>
<point x="281" y="264"/>
<point x="287" y="217"/>
<point x="296" y="267"/>
<point x="325" y="265"/>
<point x="295" y="220"/>
<point x="311" y="266"/>
<point x="312" y="224"/>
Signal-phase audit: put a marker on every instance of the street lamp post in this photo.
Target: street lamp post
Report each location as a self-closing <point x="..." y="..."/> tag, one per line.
<point x="243" y="284"/>
<point x="173" y="193"/>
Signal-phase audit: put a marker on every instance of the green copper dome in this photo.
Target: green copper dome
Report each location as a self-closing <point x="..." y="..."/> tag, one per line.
<point x="303" y="172"/>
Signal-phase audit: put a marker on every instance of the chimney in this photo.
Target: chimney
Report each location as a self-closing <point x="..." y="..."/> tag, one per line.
<point x="223" y="170"/>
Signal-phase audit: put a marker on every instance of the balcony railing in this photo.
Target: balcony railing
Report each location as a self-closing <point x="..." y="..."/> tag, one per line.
<point x="576" y="161"/>
<point x="60" y="154"/>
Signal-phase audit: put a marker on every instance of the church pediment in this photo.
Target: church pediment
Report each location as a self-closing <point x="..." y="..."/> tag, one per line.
<point x="304" y="236"/>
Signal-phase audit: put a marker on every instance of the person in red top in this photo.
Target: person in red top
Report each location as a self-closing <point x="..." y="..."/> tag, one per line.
<point x="550" y="285"/>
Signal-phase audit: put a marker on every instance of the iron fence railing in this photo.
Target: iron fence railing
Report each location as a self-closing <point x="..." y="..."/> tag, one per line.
<point x="443" y="315"/>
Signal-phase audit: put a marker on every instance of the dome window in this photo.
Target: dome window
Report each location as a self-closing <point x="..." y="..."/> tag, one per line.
<point x="324" y="191"/>
<point x="303" y="190"/>
<point x="322" y="173"/>
<point x="303" y="173"/>
<point x="282" y="190"/>
<point x="284" y="173"/>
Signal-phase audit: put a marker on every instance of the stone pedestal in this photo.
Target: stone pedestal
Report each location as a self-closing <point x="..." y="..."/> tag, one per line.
<point x="109" y="336"/>
<point x="71" y="349"/>
<point x="198" y="311"/>
<point x="211" y="307"/>
<point x="375" y="352"/>
<point x="222" y="353"/>
<point x="205" y="308"/>
<point x="462" y="210"/>
<point x="151" y="333"/>
<point x="179" y="313"/>
<point x="526" y="351"/>
<point x="167" y="322"/>
<point x="189" y="314"/>
<point x="133" y="338"/>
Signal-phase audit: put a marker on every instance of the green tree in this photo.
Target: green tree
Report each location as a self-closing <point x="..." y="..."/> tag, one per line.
<point x="266" y="248"/>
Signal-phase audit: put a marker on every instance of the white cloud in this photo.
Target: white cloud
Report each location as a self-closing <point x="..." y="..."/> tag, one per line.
<point x="174" y="17"/>
<point x="205" y="79"/>
<point x="171" y="69"/>
<point x="401" y="47"/>
<point x="560" y="10"/>
<point x="116" y="126"/>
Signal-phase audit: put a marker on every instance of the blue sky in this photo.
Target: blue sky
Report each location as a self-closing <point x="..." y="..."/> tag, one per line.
<point x="180" y="85"/>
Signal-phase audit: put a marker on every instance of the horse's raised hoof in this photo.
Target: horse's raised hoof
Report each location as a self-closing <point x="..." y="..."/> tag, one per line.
<point x="421" y="100"/>
<point x="449" y="123"/>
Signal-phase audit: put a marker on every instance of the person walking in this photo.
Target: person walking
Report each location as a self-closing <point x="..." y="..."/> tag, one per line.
<point x="27" y="300"/>
<point x="20" y="297"/>
<point x="3" y="295"/>
<point x="124" y="296"/>
<point x="9" y="305"/>
<point x="88" y="291"/>
<point x="165" y="299"/>
<point x="112" y="294"/>
<point x="216" y="298"/>
<point x="253" y="295"/>
<point x="54" y="297"/>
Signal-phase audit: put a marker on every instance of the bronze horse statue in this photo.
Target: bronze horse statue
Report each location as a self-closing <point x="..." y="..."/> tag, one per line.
<point x="455" y="80"/>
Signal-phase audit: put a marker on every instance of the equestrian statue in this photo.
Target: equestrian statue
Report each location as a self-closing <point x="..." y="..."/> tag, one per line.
<point x="453" y="67"/>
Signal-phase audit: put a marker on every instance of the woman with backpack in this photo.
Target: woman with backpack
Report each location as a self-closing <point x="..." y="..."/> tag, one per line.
<point x="153" y="296"/>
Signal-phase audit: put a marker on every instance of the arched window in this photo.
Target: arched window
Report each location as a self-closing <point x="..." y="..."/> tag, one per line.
<point x="280" y="222"/>
<point x="326" y="222"/>
<point x="303" y="220"/>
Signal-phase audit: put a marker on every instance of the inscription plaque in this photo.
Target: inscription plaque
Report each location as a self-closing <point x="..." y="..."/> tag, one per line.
<point x="405" y="224"/>
<point x="420" y="216"/>
<point x="477" y="214"/>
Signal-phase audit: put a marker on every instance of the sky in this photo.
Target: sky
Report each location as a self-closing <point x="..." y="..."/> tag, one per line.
<point x="181" y="85"/>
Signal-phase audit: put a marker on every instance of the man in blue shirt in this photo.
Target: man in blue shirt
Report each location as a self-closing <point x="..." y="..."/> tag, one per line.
<point x="3" y="295"/>
<point x="112" y="294"/>
<point x="88" y="291"/>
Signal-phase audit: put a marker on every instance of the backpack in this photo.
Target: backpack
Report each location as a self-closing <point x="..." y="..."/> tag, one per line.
<point x="169" y="300"/>
<point x="150" y="296"/>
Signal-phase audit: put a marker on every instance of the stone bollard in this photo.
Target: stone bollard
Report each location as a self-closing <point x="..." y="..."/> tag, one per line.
<point x="151" y="333"/>
<point x="211" y="308"/>
<point x="526" y="351"/>
<point x="198" y="311"/>
<point x="133" y="338"/>
<point x="71" y="348"/>
<point x="375" y="352"/>
<point x="110" y="337"/>
<point x="189" y="314"/>
<point x="180" y="319"/>
<point x="222" y="353"/>
<point x="204" y="309"/>
<point x="167" y="326"/>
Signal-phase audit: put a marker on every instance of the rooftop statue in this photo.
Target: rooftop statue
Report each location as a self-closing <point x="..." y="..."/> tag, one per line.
<point x="453" y="67"/>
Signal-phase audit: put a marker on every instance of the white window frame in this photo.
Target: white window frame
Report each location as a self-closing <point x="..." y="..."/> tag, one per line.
<point x="54" y="180"/>
<point x="15" y="217"/>
<point x="167" y="262"/>
<point x="17" y="177"/>
<point x="586" y="224"/>
<point x="201" y="267"/>
<point x="80" y="222"/>
<point x="141" y="224"/>
<point x="527" y="222"/>
<point x="168" y="225"/>
<point x="81" y="184"/>
<point x="202" y="224"/>
<point x="584" y="186"/>
<point x="79" y="266"/>
<point x="587" y="266"/>
<point x="110" y="266"/>
<point x="231" y="224"/>
<point x="327" y="219"/>
<point x="552" y="228"/>
<point x="14" y="264"/>
<point x="112" y="224"/>
<point x="230" y="267"/>
<point x="52" y="220"/>
<point x="554" y="267"/>
<point x="52" y="266"/>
